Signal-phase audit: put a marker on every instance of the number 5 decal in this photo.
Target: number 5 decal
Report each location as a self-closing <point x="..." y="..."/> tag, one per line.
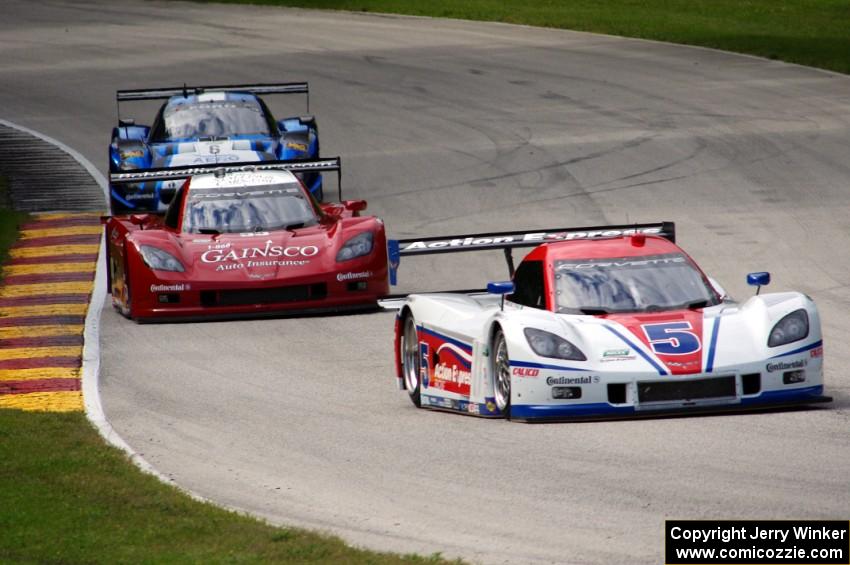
<point x="672" y="338"/>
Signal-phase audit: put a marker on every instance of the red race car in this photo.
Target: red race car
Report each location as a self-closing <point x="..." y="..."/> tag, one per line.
<point x="244" y="241"/>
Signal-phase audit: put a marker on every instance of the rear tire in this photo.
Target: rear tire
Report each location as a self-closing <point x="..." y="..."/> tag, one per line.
<point x="501" y="371"/>
<point x="411" y="361"/>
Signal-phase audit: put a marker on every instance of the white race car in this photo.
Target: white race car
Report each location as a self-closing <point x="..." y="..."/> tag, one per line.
<point x="614" y="321"/>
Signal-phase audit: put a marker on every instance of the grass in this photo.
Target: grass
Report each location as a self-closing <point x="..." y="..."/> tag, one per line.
<point x="67" y="497"/>
<point x="809" y="32"/>
<point x="10" y="220"/>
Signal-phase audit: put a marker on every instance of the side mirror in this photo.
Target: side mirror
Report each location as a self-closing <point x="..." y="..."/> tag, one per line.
<point x="126" y="122"/>
<point x="355" y="206"/>
<point x="503" y="288"/>
<point x="758" y="280"/>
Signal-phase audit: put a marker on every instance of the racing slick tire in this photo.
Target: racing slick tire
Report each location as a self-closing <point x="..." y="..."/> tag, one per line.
<point x="411" y="361"/>
<point x="501" y="371"/>
<point x="125" y="306"/>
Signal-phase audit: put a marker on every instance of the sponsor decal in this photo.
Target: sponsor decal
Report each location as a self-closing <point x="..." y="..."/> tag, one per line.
<point x="683" y="364"/>
<point x="617" y="355"/>
<point x="786" y="365"/>
<point x="253" y="234"/>
<point x="491" y="406"/>
<point x="296" y="146"/>
<point x="541" y="237"/>
<point x="141" y="196"/>
<point x="350" y="276"/>
<point x="203" y="159"/>
<point x="177" y="287"/>
<point x="277" y="263"/>
<point x="452" y="374"/>
<point x="671" y="259"/>
<point x="132" y="154"/>
<point x="525" y="372"/>
<point x="816" y="352"/>
<point x="218" y="255"/>
<point x="552" y="381"/>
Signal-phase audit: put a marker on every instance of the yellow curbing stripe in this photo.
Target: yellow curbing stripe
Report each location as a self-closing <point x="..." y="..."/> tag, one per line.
<point x="17" y="332"/>
<point x="43" y="310"/>
<point x="44" y="401"/>
<point x="64" y="215"/>
<point x="57" y="232"/>
<point x="52" y="250"/>
<point x="42" y="289"/>
<point x="48" y="268"/>
<point x="35" y="352"/>
<point x="39" y="373"/>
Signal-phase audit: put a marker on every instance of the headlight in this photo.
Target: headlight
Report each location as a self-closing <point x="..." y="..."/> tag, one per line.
<point x="357" y="246"/>
<point x="793" y="327"/>
<point x="548" y="344"/>
<point x="160" y="260"/>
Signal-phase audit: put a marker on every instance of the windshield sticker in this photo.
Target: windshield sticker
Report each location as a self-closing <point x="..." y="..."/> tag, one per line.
<point x="624" y="263"/>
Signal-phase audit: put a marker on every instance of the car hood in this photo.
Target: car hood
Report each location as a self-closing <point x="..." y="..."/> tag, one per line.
<point x="223" y="151"/>
<point x="280" y="254"/>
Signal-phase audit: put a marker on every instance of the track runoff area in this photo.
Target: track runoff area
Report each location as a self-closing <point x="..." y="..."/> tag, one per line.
<point x="802" y="542"/>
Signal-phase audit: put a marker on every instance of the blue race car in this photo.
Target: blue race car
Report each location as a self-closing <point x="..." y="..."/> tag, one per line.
<point x="207" y="125"/>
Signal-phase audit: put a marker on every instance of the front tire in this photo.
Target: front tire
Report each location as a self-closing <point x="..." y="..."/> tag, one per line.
<point x="501" y="373"/>
<point x="411" y="361"/>
<point x="126" y="298"/>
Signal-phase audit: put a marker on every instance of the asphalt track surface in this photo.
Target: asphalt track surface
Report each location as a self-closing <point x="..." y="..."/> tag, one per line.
<point x="450" y="127"/>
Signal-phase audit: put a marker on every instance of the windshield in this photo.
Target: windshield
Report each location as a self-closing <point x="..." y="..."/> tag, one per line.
<point x="631" y="284"/>
<point x="212" y="119"/>
<point x="252" y="209"/>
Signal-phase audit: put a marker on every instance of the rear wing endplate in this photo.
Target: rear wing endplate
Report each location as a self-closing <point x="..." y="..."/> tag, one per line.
<point x="507" y="241"/>
<point x="180" y="173"/>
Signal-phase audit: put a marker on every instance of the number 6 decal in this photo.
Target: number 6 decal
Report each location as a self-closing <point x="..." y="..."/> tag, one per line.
<point x="672" y="338"/>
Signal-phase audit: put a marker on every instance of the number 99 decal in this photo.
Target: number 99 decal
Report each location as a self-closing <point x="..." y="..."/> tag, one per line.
<point x="672" y="338"/>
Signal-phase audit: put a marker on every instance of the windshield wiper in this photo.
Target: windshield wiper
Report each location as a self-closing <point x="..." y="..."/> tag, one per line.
<point x="694" y="304"/>
<point x="209" y="231"/>
<point x="294" y="226"/>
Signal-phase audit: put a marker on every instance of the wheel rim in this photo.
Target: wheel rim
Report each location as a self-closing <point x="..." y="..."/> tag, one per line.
<point x="501" y="373"/>
<point x="410" y="356"/>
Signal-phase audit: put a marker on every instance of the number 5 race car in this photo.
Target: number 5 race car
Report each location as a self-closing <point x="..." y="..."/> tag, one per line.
<point x="602" y="322"/>
<point x="244" y="240"/>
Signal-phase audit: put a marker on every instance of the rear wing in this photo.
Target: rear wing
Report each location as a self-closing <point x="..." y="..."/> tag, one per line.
<point x="507" y="241"/>
<point x="184" y="172"/>
<point x="185" y="90"/>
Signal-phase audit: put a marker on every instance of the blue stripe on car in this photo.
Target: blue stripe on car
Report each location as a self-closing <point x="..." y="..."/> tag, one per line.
<point x="532" y="411"/>
<point x="780" y="396"/>
<point x="640" y="352"/>
<point x="818" y="343"/>
<point x="544" y="366"/>
<point x="712" y="346"/>
<point x="465" y="346"/>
